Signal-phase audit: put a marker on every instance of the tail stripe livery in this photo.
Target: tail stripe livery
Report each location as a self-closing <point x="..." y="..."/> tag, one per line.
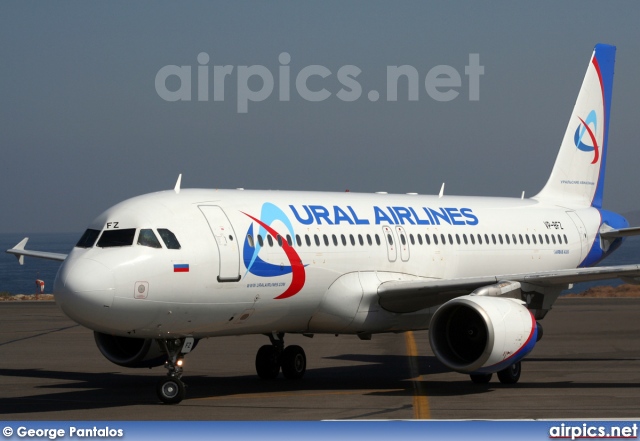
<point x="577" y="179"/>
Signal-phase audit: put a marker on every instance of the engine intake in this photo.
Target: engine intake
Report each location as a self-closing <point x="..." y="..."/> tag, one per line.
<point x="482" y="334"/>
<point x="130" y="352"/>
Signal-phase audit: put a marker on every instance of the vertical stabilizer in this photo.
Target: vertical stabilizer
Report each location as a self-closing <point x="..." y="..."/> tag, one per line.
<point x="577" y="178"/>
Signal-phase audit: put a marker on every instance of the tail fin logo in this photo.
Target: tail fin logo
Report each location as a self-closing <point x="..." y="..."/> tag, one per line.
<point x="585" y="128"/>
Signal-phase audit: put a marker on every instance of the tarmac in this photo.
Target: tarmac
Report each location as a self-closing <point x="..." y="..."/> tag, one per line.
<point x="586" y="366"/>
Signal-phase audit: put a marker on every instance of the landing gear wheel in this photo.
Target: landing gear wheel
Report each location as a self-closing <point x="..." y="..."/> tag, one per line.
<point x="510" y="375"/>
<point x="294" y="362"/>
<point x="267" y="362"/>
<point x="170" y="390"/>
<point x="481" y="378"/>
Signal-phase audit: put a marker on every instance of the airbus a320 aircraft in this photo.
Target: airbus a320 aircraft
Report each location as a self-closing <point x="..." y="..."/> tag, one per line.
<point x="154" y="274"/>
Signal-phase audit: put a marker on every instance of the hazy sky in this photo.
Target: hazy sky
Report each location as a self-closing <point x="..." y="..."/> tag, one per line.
<point x="82" y="126"/>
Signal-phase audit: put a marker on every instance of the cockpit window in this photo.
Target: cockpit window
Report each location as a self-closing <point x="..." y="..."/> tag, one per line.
<point x="169" y="239"/>
<point x="88" y="239"/>
<point x="117" y="238"/>
<point x="147" y="238"/>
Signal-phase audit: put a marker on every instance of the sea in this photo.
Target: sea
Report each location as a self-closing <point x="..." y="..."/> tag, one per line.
<point x="17" y="279"/>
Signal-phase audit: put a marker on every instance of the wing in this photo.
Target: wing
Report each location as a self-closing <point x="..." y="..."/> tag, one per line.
<point x="413" y="295"/>
<point x="20" y="252"/>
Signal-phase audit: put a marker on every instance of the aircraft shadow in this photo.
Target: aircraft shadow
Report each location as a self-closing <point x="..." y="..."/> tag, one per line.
<point x="386" y="375"/>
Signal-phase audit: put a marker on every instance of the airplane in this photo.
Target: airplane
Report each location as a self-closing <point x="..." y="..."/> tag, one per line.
<point x="154" y="274"/>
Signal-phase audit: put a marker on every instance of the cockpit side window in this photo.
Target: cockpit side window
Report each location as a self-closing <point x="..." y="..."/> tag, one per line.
<point x="169" y="239"/>
<point x="88" y="239"/>
<point x="147" y="238"/>
<point x="117" y="238"/>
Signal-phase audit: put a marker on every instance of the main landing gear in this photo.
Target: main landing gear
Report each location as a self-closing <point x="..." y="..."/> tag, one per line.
<point x="271" y="358"/>
<point x="510" y="375"/>
<point x="171" y="389"/>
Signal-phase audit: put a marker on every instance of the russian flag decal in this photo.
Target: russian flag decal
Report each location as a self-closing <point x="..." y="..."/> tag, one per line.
<point x="180" y="267"/>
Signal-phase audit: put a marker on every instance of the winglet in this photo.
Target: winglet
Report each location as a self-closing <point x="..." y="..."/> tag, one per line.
<point x="177" y="187"/>
<point x="21" y="246"/>
<point x="20" y="252"/>
<point x="441" y="191"/>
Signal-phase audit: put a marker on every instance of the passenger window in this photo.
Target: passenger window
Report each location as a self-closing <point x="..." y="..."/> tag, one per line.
<point x="458" y="238"/>
<point x="250" y="240"/>
<point x="515" y="240"/>
<point x="435" y="239"/>
<point x="344" y="240"/>
<point x="390" y="239"/>
<point x="466" y="242"/>
<point x="377" y="239"/>
<point x="289" y="242"/>
<point x="169" y="239"/>
<point x="473" y="241"/>
<point x="360" y="239"/>
<point x="450" y="239"/>
<point x="444" y="241"/>
<point x="260" y="241"/>
<point x="147" y="238"/>
<point x="479" y="239"/>
<point x="540" y="237"/>
<point x="533" y="236"/>
<point x="565" y="240"/>
<point x="117" y="238"/>
<point x="419" y="239"/>
<point x="353" y="241"/>
<point x="546" y="236"/>
<point x="298" y="240"/>
<point x="500" y="238"/>
<point x="506" y="238"/>
<point x="369" y="241"/>
<point x="403" y="240"/>
<point x="279" y="239"/>
<point x="270" y="240"/>
<point x="335" y="239"/>
<point x="553" y="239"/>
<point x="326" y="240"/>
<point x="486" y="239"/>
<point x="307" y="239"/>
<point x="521" y="241"/>
<point x="317" y="240"/>
<point x="493" y="237"/>
<point x="411" y="239"/>
<point x="88" y="238"/>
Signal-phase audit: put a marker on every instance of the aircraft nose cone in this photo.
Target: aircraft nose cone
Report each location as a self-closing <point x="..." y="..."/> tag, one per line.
<point x="84" y="289"/>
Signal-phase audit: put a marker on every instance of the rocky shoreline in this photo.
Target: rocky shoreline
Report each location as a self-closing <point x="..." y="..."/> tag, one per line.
<point x="596" y="292"/>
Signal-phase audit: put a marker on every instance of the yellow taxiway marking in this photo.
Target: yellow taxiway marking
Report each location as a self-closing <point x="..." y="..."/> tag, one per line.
<point x="420" y="402"/>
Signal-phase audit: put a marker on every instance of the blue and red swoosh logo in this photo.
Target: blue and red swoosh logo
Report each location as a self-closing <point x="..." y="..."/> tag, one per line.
<point x="257" y="266"/>
<point x="585" y="128"/>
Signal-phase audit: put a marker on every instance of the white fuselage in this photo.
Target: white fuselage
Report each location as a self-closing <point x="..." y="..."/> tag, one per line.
<point x="222" y="282"/>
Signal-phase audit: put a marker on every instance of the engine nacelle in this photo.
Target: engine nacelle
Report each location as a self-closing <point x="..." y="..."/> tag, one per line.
<point x="482" y="334"/>
<point x="130" y="352"/>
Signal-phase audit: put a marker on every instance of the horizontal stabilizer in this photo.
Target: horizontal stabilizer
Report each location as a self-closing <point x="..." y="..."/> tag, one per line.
<point x="20" y="252"/>
<point x="621" y="232"/>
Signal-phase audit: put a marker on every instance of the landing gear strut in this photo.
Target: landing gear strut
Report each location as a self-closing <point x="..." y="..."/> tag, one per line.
<point x="271" y="358"/>
<point x="171" y="389"/>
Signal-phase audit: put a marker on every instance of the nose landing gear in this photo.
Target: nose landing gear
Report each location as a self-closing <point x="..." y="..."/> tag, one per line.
<point x="171" y="389"/>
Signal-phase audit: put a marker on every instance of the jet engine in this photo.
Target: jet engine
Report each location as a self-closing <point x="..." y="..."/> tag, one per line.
<point x="130" y="352"/>
<point x="482" y="334"/>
